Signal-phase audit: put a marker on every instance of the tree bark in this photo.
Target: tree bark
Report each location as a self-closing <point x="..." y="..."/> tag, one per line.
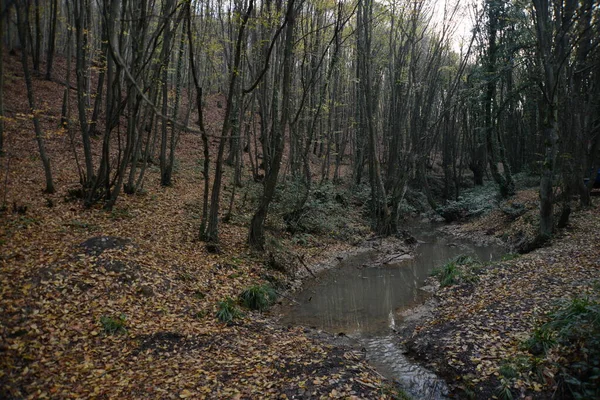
<point x="256" y="234"/>
<point x="212" y="231"/>
<point x="51" y="39"/>
<point x="39" y="136"/>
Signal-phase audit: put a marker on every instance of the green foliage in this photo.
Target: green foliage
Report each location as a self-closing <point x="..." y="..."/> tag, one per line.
<point x="510" y="256"/>
<point x="526" y="180"/>
<point x="512" y="209"/>
<point x="540" y="341"/>
<point x="227" y="310"/>
<point x="508" y="370"/>
<point x="575" y="328"/>
<point x="448" y="274"/>
<point x="258" y="297"/>
<point x="503" y="390"/>
<point x="459" y="269"/>
<point x="325" y="212"/>
<point x="473" y="202"/>
<point x="113" y="325"/>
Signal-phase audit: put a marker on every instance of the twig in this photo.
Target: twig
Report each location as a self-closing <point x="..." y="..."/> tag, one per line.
<point x="287" y="297"/>
<point x="305" y="266"/>
<point x="366" y="384"/>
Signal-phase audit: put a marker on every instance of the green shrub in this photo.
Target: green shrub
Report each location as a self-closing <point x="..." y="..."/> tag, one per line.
<point x="525" y="180"/>
<point x="476" y="201"/>
<point x="448" y="275"/>
<point x="258" y="297"/>
<point x="540" y="341"/>
<point x="227" y="311"/>
<point x="575" y="326"/>
<point x="510" y="256"/>
<point x="325" y="211"/>
<point x="508" y="370"/>
<point x="112" y="325"/>
<point x="513" y="210"/>
<point x="503" y="390"/>
<point x="459" y="269"/>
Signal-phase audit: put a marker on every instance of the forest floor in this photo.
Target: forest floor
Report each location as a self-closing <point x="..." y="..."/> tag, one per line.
<point x="122" y="303"/>
<point x="485" y="333"/>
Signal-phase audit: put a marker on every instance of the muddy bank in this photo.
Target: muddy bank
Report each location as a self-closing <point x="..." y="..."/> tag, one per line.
<point x="377" y="251"/>
<point x="475" y="333"/>
<point x="371" y="291"/>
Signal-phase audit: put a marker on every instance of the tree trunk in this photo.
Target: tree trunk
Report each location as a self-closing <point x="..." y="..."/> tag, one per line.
<point x="39" y="136"/>
<point x="1" y="80"/>
<point x="552" y="48"/>
<point x="82" y="94"/>
<point x="165" y="173"/>
<point x="51" y="38"/>
<point x="212" y="232"/>
<point x="256" y="234"/>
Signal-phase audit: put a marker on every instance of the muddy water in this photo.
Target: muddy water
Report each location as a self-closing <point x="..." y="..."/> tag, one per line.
<point x="363" y="300"/>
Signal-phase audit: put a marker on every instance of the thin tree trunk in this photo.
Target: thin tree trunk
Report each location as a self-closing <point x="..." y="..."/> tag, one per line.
<point x="212" y="232"/>
<point x="21" y="22"/>
<point x="51" y="39"/>
<point x="256" y="234"/>
<point x="1" y="80"/>
<point x="206" y="162"/>
<point x="37" y="48"/>
<point x="81" y="72"/>
<point x="165" y="57"/>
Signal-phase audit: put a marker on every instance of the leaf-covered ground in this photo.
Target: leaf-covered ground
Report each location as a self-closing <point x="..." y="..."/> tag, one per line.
<point x="478" y="329"/>
<point x="121" y="304"/>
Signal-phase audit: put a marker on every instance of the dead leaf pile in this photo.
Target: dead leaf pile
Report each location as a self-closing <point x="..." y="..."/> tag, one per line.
<point x="122" y="304"/>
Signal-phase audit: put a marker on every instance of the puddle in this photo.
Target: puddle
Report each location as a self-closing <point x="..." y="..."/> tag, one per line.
<point x="364" y="301"/>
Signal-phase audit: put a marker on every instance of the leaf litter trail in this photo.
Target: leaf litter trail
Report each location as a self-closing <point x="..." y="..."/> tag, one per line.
<point x="64" y="268"/>
<point x="476" y="328"/>
<point x="55" y="291"/>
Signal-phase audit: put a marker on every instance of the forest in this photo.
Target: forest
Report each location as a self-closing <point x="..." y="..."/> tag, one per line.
<point x="157" y="157"/>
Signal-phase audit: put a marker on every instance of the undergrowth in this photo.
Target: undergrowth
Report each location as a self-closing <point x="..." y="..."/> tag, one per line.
<point x="460" y="269"/>
<point x="113" y="325"/>
<point x="227" y="311"/>
<point x="572" y="335"/>
<point x="258" y="297"/>
<point x="480" y="200"/>
<point x="472" y="202"/>
<point x="325" y="212"/>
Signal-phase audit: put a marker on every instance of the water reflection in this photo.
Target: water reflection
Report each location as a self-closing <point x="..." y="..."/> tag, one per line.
<point x="359" y="299"/>
<point x="364" y="302"/>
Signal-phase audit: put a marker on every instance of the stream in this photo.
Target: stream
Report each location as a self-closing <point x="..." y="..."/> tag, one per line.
<point x="364" y="300"/>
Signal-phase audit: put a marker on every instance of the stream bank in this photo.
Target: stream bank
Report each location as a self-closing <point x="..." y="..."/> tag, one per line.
<point x="365" y="296"/>
<point x="480" y="336"/>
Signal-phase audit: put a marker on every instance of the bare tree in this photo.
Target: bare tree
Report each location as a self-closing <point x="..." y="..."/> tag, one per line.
<point x="22" y="16"/>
